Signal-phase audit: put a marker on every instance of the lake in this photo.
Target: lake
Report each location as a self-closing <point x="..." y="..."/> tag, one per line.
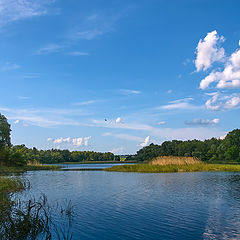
<point x="115" y="205"/>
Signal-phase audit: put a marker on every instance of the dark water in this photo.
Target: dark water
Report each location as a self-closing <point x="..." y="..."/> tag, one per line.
<point x="113" y="205"/>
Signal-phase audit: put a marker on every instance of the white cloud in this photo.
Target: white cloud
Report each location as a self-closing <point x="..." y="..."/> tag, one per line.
<point x="117" y="150"/>
<point x="124" y="136"/>
<point x="48" y="117"/>
<point x="233" y="102"/>
<point x="218" y="102"/>
<point x="208" y="51"/>
<point x="229" y="77"/>
<point x="88" y="34"/>
<point x="86" y="140"/>
<point x="62" y="140"/>
<point x="213" y="103"/>
<point x="77" y="53"/>
<point x="77" y="142"/>
<point x="129" y="91"/>
<point x="203" y="122"/>
<point x="8" y="66"/>
<point x="118" y="120"/>
<point x="94" y="25"/>
<point x="23" y="97"/>
<point x="14" y="10"/>
<point x="180" y="104"/>
<point x="81" y="141"/>
<point x="50" y="48"/>
<point x="146" y="141"/>
<point x="86" y="102"/>
<point x="71" y="141"/>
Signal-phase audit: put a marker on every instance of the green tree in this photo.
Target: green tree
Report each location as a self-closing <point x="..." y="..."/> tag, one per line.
<point x="5" y="132"/>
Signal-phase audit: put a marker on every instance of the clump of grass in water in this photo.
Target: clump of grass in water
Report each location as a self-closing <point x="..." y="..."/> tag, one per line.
<point x="33" y="220"/>
<point x="11" y="184"/>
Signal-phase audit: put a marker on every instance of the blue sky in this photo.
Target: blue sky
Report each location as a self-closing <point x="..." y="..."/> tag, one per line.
<point x="118" y="75"/>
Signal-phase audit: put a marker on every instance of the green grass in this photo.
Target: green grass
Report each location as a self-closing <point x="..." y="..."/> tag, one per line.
<point x="10" y="185"/>
<point x="8" y="170"/>
<point x="148" y="168"/>
<point x="96" y="162"/>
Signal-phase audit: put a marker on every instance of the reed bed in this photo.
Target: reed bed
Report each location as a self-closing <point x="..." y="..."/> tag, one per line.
<point x="172" y="160"/>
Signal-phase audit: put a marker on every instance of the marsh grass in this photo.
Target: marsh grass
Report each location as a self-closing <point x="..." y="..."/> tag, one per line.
<point x="33" y="219"/>
<point x="171" y="168"/>
<point x="10" y="184"/>
<point x="172" y="160"/>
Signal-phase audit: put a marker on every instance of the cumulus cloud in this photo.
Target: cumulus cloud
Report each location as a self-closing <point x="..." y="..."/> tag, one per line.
<point x="202" y="122"/>
<point x="146" y="141"/>
<point x="118" y="120"/>
<point x="218" y="101"/>
<point x="81" y="141"/>
<point x="62" y="140"/>
<point x="86" y="139"/>
<point x="229" y="76"/>
<point x="208" y="51"/>
<point x="71" y="141"/>
<point x="77" y="142"/>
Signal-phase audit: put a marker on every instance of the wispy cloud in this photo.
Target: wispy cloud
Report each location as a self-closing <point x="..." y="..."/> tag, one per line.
<point x="77" y="53"/>
<point x="8" y="66"/>
<point x="124" y="136"/>
<point x="23" y="97"/>
<point x="203" y="122"/>
<point x="95" y="25"/>
<point x="180" y="104"/>
<point x="118" y="150"/>
<point x="89" y="102"/>
<point x="50" y="48"/>
<point x="129" y="91"/>
<point x="48" y="117"/>
<point x="14" y="10"/>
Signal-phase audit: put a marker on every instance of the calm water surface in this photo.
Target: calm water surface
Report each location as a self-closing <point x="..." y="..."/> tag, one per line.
<point x="113" y="205"/>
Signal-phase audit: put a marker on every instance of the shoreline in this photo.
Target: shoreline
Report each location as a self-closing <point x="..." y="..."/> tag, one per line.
<point x="148" y="168"/>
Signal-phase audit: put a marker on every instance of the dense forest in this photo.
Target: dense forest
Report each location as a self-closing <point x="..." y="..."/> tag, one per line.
<point x="212" y="150"/>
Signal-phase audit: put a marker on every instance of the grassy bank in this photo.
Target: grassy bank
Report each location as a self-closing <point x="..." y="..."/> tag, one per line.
<point x="8" y="170"/>
<point x="10" y="185"/>
<point x="98" y="162"/>
<point x="149" y="168"/>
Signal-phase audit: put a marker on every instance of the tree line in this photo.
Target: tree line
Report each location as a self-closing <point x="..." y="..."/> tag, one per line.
<point x="33" y="155"/>
<point x="20" y="155"/>
<point x="211" y="150"/>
